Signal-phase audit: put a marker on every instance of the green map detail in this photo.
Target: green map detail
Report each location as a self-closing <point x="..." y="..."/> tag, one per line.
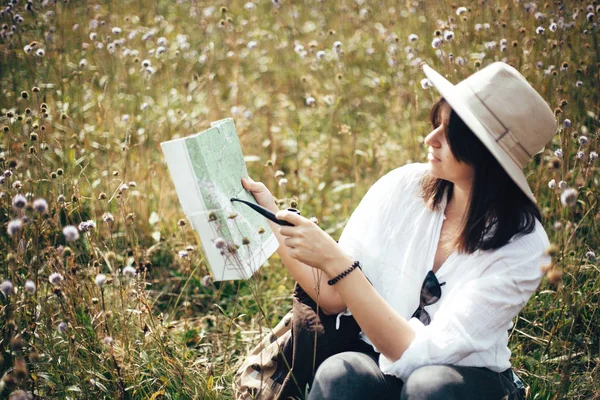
<point x="218" y="164"/>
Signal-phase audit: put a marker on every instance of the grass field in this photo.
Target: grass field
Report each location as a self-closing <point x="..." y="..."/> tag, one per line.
<point x="97" y="298"/>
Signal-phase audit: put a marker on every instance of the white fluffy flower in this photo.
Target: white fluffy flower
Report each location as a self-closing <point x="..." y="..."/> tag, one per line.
<point x="100" y="280"/>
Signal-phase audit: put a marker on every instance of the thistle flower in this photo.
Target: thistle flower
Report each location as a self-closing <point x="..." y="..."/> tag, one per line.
<point x="107" y="340"/>
<point x="83" y="63"/>
<point x="62" y="327"/>
<point x="116" y="30"/>
<point x="567" y="123"/>
<point x="539" y="30"/>
<point x="219" y="243"/>
<point x="71" y="233"/>
<point x="568" y="198"/>
<point x="108" y="218"/>
<point x="448" y="35"/>
<point x="14" y="226"/>
<point x="6" y="287"/>
<point x="19" y="201"/>
<point x="182" y="253"/>
<point x="55" y="278"/>
<point x="40" y="205"/>
<point x="60" y="199"/>
<point x="590" y="255"/>
<point x="129" y="271"/>
<point x="40" y="52"/>
<point x="583" y="140"/>
<point x="580" y="155"/>
<point x="552" y="184"/>
<point x="593" y="156"/>
<point x="320" y="54"/>
<point x="553" y="27"/>
<point x="558" y="152"/>
<point x="278" y="174"/>
<point x="30" y="286"/>
<point x="461" y="10"/>
<point x="436" y="42"/>
<point x="100" y="280"/>
<point x="426" y="83"/>
<point x="413" y="37"/>
<point x="562" y="185"/>
<point x="206" y="280"/>
<point x="310" y="101"/>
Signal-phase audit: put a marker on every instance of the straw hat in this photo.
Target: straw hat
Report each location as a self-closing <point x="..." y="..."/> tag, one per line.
<point x="502" y="109"/>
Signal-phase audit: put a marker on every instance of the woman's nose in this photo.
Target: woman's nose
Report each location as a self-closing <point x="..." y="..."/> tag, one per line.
<point x="432" y="139"/>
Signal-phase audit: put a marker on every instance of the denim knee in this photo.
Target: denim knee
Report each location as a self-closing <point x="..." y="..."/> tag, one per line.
<point x="432" y="382"/>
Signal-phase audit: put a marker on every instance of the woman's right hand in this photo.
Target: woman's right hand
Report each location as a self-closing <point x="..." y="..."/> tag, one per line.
<point x="260" y="192"/>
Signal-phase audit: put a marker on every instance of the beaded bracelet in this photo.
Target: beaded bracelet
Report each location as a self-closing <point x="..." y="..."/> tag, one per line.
<point x="355" y="265"/>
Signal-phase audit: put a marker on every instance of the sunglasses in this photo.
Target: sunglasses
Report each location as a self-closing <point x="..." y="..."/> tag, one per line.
<point x="431" y="291"/>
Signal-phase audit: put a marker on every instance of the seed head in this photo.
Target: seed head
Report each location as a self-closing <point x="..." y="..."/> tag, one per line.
<point x="14" y="226"/>
<point x="568" y="197"/>
<point x="19" y="201"/>
<point x="129" y="272"/>
<point x="30" y="286"/>
<point x="62" y="327"/>
<point x="55" y="278"/>
<point x="583" y="140"/>
<point x="207" y="280"/>
<point x="593" y="156"/>
<point x="219" y="243"/>
<point x="40" y="205"/>
<point x="182" y="253"/>
<point x="552" y="184"/>
<point x="71" y="233"/>
<point x="6" y="287"/>
<point x="100" y="280"/>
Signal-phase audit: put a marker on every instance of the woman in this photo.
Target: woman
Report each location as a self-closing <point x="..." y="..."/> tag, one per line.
<point x="438" y="258"/>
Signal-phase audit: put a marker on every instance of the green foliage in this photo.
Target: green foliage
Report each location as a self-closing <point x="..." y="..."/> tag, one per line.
<point x="325" y="95"/>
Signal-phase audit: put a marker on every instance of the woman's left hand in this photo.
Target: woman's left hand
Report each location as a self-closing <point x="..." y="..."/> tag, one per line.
<point x="308" y="243"/>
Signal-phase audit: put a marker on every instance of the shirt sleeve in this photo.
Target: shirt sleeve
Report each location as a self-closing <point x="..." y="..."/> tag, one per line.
<point x="373" y="206"/>
<point x="474" y="319"/>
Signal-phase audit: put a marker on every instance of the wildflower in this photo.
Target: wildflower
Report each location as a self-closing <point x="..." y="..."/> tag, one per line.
<point x="539" y="30"/>
<point x="55" y="278"/>
<point x="206" y="280"/>
<point x="580" y="155"/>
<point x="413" y="37"/>
<point x="282" y="182"/>
<point x="108" y="218"/>
<point x="562" y="185"/>
<point x="40" y="52"/>
<point x="83" y="63"/>
<point x="590" y="255"/>
<point x="558" y="152"/>
<point x="478" y="27"/>
<point x="123" y="188"/>
<point x="552" y="184"/>
<point x="85" y="226"/>
<point x="426" y="83"/>
<point x="310" y="101"/>
<point x="569" y="197"/>
<point x="436" y="42"/>
<point x="129" y="271"/>
<point x="553" y="27"/>
<point x="60" y="199"/>
<point x="278" y="174"/>
<point x="6" y="287"/>
<point x="590" y="17"/>
<point x="161" y="41"/>
<point x="252" y="44"/>
<point x="30" y="286"/>
<point x="461" y="10"/>
<point x="459" y="61"/>
<point x="71" y="233"/>
<point x="249" y="6"/>
<point x="320" y="54"/>
<point x="558" y="225"/>
<point x="448" y="35"/>
<point x="107" y="340"/>
<point x="146" y="63"/>
<point x="116" y="30"/>
<point x="17" y="185"/>
<point x="62" y="327"/>
<point x="40" y="205"/>
<point x="337" y="46"/>
<point x="593" y="156"/>
<point x="583" y="140"/>
<point x="19" y="201"/>
<point x="14" y="226"/>
<point x="567" y="123"/>
<point x="100" y="280"/>
<point x="182" y="253"/>
<point x="219" y="243"/>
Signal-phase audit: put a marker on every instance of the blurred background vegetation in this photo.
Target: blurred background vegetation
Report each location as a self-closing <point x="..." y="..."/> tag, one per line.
<point x="326" y="95"/>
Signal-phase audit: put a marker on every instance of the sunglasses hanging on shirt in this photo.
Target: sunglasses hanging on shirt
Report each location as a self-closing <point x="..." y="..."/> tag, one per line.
<point x="431" y="291"/>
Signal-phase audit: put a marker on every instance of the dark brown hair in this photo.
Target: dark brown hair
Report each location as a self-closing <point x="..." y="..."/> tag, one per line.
<point x="498" y="209"/>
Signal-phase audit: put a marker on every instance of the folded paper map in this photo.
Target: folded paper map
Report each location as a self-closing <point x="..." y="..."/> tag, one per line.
<point x="207" y="169"/>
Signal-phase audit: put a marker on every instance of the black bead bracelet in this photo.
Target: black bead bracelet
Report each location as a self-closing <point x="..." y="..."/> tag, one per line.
<point x="335" y="280"/>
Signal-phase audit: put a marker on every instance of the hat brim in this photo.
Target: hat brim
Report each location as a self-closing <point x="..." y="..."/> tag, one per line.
<point x="455" y="99"/>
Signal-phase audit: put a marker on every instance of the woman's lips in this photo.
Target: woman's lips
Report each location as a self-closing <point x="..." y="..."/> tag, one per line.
<point x="431" y="157"/>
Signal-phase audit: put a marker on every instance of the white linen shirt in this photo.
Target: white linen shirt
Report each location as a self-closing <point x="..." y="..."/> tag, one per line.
<point x="394" y="236"/>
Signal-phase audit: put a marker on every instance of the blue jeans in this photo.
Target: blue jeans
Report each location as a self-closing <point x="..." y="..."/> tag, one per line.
<point x="356" y="375"/>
